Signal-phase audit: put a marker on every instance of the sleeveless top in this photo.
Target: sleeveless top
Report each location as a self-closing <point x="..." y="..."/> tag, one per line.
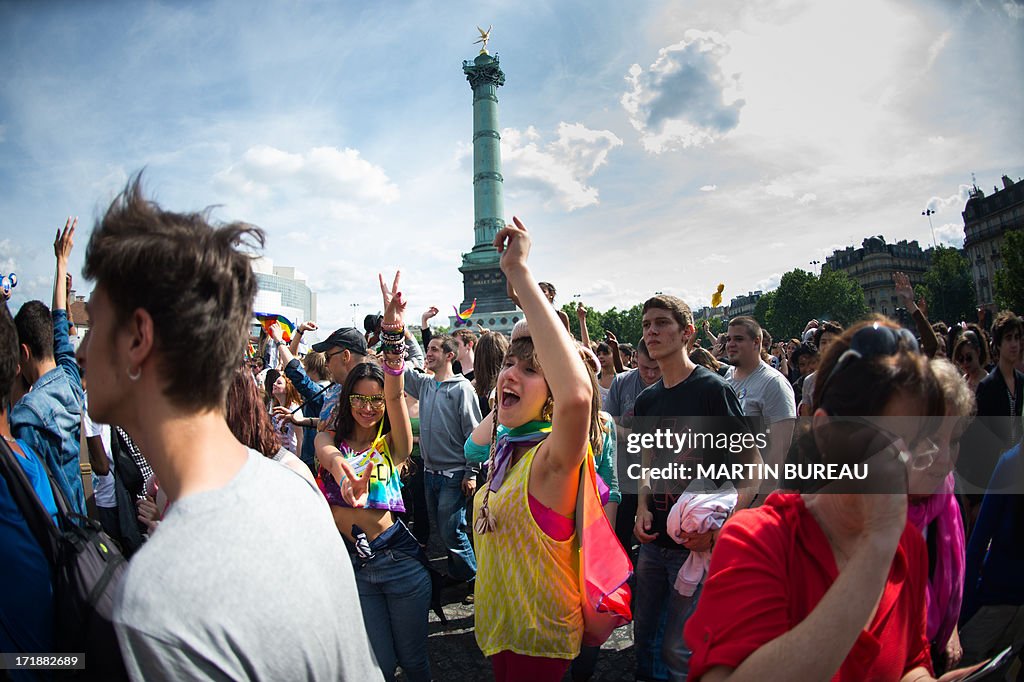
<point x="385" y="482"/>
<point x="529" y="607"/>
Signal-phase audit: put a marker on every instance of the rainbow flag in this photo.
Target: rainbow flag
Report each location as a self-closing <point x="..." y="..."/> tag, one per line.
<point x="267" y="319"/>
<point x="465" y="315"/>
<point x="250" y="351"/>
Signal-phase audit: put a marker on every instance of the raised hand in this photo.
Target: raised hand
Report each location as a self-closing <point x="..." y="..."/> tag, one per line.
<point x="306" y="327"/>
<point x="581" y="311"/>
<point x="356" y="489"/>
<point x="394" y="303"/>
<point x="275" y="332"/>
<point x="428" y="314"/>
<point x="513" y="243"/>
<point x="65" y="240"/>
<point x="904" y="292"/>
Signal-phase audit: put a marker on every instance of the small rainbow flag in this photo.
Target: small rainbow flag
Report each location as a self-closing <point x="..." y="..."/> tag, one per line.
<point x="465" y="315"/>
<point x="250" y="351"/>
<point x="267" y="319"/>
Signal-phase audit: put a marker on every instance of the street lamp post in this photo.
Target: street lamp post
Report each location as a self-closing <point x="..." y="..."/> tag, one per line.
<point x="814" y="264"/>
<point x="929" y="213"/>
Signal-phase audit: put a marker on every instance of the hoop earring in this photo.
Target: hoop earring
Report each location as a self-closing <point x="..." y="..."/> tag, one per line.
<point x="548" y="411"/>
<point x="136" y="376"/>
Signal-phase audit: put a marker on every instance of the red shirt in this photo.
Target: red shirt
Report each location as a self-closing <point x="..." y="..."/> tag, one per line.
<point x="770" y="568"/>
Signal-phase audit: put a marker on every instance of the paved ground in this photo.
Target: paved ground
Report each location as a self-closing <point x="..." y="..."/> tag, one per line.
<point x="455" y="657"/>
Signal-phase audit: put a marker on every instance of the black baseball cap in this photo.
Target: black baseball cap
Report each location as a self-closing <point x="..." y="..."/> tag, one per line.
<point x="349" y="338"/>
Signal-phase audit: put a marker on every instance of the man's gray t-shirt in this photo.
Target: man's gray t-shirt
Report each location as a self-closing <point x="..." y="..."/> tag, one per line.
<point x="623" y="393"/>
<point x="250" y="581"/>
<point x="764" y="393"/>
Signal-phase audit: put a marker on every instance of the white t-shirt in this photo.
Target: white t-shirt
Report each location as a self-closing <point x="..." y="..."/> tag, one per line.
<point x="764" y="393"/>
<point x="102" y="485"/>
<point x="287" y="431"/>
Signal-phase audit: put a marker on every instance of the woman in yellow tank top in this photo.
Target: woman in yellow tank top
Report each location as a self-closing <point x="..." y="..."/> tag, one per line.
<point x="528" y="618"/>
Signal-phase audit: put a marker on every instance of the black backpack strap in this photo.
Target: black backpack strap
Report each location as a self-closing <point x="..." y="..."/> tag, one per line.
<point x="36" y="516"/>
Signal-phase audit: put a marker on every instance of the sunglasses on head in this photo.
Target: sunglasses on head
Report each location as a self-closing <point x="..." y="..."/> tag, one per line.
<point x="876" y="340"/>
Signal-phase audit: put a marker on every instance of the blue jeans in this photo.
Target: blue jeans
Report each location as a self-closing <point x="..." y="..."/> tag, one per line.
<point x="448" y="504"/>
<point x="659" y="614"/>
<point x="394" y="595"/>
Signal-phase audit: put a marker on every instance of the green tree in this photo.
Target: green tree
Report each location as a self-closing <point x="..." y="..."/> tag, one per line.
<point x="1009" y="281"/>
<point x="801" y="297"/>
<point x="836" y="296"/>
<point x="949" y="287"/>
<point x="786" y="312"/>
<point x="764" y="311"/>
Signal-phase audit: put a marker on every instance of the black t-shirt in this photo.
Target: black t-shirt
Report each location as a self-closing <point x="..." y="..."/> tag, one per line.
<point x="703" y="403"/>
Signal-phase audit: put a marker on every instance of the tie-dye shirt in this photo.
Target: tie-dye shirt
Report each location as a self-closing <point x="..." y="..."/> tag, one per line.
<point x="385" y="482"/>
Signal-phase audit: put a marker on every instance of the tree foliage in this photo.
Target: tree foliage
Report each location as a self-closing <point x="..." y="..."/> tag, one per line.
<point x="1009" y="280"/>
<point x="801" y="297"/>
<point x="625" y="324"/>
<point x="949" y="287"/>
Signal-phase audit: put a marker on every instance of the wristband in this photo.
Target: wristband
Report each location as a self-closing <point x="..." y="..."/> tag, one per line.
<point x="396" y="372"/>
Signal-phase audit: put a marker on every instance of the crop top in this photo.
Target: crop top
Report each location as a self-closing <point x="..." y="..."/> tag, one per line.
<point x="385" y="491"/>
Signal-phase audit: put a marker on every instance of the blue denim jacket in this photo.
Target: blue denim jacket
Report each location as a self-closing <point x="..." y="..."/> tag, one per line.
<point x="49" y="417"/>
<point x="314" y="395"/>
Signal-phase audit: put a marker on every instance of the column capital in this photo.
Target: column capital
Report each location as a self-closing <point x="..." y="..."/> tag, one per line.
<point x="483" y="70"/>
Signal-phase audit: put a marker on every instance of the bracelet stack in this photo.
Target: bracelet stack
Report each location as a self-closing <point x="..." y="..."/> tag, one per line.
<point x="392" y="337"/>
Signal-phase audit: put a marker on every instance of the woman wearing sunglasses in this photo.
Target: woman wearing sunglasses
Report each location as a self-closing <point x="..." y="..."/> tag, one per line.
<point x="359" y="476"/>
<point x="970" y="354"/>
<point x="831" y="585"/>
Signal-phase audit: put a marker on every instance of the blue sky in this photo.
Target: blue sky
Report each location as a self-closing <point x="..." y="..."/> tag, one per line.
<point x="648" y="146"/>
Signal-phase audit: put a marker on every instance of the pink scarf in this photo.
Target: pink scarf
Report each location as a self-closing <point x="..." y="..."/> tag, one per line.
<point x="945" y="589"/>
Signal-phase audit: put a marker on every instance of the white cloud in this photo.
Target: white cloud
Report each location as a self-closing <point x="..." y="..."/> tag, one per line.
<point x="950" y="234"/>
<point x="684" y="99"/>
<point x="768" y="283"/>
<point x="936" y="48"/>
<point x="709" y="188"/>
<point x="558" y="170"/>
<point x="777" y="189"/>
<point x="265" y="172"/>
<point x="716" y="258"/>
<point x="807" y="198"/>
<point x="954" y="201"/>
<point x="1014" y="9"/>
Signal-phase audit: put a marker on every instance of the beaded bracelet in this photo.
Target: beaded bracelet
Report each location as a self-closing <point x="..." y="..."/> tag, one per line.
<point x="397" y="372"/>
<point x="392" y="326"/>
<point x="389" y="349"/>
<point x="393" y="336"/>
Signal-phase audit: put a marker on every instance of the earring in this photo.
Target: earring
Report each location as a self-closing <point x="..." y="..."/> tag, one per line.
<point x="136" y="376"/>
<point x="548" y="411"/>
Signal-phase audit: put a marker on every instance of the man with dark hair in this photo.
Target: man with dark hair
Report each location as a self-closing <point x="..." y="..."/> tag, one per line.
<point x="449" y="411"/>
<point x="49" y="416"/>
<point x="465" y="350"/>
<point x="805" y="360"/>
<point x="246" y="577"/>
<point x="765" y="394"/>
<point x="1000" y="401"/>
<point x="690" y="398"/>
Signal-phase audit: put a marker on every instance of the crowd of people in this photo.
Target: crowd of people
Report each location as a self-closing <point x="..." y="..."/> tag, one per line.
<point x="276" y="507"/>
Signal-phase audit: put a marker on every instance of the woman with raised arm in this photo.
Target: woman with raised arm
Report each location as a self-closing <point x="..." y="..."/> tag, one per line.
<point x="528" y="616"/>
<point x="360" y="477"/>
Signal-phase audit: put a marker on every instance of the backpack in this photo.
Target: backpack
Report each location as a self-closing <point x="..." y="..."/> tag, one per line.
<point x="87" y="567"/>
